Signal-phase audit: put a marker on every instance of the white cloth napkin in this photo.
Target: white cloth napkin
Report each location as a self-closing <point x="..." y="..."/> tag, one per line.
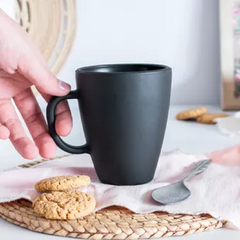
<point x="229" y="125"/>
<point x="215" y="191"/>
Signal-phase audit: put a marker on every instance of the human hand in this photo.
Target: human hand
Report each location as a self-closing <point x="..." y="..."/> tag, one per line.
<point x="21" y="66"/>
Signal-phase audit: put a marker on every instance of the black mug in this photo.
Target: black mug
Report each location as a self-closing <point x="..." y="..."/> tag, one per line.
<point x="124" y="110"/>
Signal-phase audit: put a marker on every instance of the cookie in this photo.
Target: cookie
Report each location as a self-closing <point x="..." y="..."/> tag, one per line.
<point x="191" y="113"/>
<point x="209" y="117"/>
<point x="64" y="205"/>
<point x="62" y="183"/>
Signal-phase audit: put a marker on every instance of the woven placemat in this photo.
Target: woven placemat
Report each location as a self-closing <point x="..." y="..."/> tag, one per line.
<point x="110" y="223"/>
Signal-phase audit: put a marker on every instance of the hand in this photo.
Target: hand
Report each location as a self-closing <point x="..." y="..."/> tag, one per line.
<point x="21" y="66"/>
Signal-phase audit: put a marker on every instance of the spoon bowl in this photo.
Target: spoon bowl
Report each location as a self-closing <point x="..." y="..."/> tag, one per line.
<point x="170" y="194"/>
<point x="177" y="191"/>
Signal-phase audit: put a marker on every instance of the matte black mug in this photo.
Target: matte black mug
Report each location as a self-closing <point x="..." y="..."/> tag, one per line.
<point x="124" y="110"/>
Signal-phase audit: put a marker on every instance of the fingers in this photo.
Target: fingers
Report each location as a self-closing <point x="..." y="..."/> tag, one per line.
<point x="4" y="133"/>
<point x="63" y="117"/>
<point x="18" y="137"/>
<point x="39" y="75"/>
<point x="33" y="117"/>
<point x="20" y="53"/>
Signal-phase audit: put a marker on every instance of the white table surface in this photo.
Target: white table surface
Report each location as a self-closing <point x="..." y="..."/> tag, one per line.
<point x="189" y="136"/>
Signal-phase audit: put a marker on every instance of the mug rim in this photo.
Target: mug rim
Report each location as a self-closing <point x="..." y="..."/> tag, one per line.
<point x="156" y="68"/>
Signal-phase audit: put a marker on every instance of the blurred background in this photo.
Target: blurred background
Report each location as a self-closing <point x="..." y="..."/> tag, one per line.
<point x="183" y="34"/>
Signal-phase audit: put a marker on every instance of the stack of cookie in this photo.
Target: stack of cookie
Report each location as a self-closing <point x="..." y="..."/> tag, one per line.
<point x="59" y="201"/>
<point x="200" y="115"/>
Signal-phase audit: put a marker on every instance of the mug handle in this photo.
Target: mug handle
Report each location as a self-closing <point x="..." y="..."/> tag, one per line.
<point x="51" y="109"/>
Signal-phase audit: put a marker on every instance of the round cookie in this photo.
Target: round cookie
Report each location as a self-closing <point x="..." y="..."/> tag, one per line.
<point x="209" y="117"/>
<point x="64" y="205"/>
<point x="62" y="183"/>
<point x="191" y="113"/>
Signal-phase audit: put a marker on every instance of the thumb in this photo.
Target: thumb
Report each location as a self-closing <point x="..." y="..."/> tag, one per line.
<point x="40" y="76"/>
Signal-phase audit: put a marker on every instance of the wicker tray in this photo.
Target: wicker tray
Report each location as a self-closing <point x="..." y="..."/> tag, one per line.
<point x="51" y="25"/>
<point x="109" y="223"/>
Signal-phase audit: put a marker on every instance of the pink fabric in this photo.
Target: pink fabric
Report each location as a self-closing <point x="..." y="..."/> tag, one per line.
<point x="216" y="191"/>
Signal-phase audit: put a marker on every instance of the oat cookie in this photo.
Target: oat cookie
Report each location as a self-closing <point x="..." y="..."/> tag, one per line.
<point x="191" y="113"/>
<point x="209" y="117"/>
<point x="62" y="183"/>
<point x="64" y="205"/>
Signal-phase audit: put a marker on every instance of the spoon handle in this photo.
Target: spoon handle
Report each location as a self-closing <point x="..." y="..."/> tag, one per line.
<point x="199" y="167"/>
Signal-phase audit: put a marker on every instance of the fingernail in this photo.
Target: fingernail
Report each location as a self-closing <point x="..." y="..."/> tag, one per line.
<point x="64" y="86"/>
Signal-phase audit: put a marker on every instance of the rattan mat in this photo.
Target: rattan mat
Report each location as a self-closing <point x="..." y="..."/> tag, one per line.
<point x="110" y="223"/>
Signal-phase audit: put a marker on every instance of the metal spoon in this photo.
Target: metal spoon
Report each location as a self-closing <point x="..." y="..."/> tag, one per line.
<point x="177" y="192"/>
